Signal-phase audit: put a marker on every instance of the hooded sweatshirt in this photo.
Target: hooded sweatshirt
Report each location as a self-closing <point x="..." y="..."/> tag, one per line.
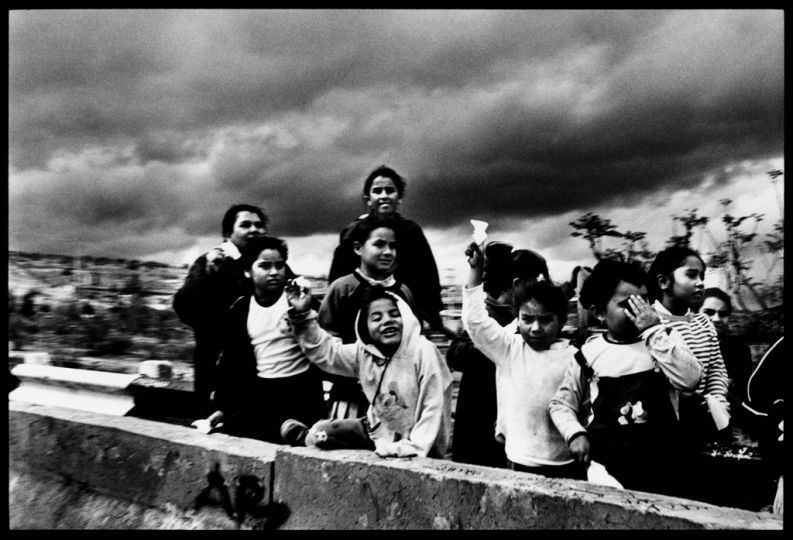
<point x="409" y="394"/>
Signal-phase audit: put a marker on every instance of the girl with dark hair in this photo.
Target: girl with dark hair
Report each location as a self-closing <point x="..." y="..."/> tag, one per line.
<point x="383" y="191"/>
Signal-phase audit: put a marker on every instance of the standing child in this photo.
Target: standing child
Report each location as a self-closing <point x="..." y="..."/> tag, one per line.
<point x="529" y="369"/>
<point x="383" y="191"/>
<point x="476" y="412"/>
<point x="677" y="286"/>
<point x="375" y="243"/>
<point x="616" y="404"/>
<point x="403" y="376"/>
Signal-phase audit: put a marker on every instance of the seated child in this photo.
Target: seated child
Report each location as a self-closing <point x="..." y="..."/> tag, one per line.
<point x="402" y="374"/>
<point x="529" y="369"/>
<point x="375" y="243"/>
<point x="617" y="402"/>
<point x="263" y="376"/>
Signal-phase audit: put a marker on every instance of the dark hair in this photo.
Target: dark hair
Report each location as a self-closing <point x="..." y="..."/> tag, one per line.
<point x="363" y="229"/>
<point x="375" y="292"/>
<point x="665" y="263"/>
<point x="601" y="284"/>
<point x="546" y="293"/>
<point x="497" y="275"/>
<point x="528" y="264"/>
<point x="715" y="292"/>
<point x="386" y="172"/>
<point x="256" y="245"/>
<point x="227" y="225"/>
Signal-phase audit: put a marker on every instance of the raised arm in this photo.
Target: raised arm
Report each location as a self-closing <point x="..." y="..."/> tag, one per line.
<point x="486" y="334"/>
<point x="321" y="348"/>
<point x="667" y="348"/>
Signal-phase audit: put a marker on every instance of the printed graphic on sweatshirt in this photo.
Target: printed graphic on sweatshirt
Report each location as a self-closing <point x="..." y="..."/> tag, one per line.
<point x="393" y="411"/>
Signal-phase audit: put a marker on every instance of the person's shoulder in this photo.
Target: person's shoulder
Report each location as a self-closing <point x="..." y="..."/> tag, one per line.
<point x="343" y="285"/>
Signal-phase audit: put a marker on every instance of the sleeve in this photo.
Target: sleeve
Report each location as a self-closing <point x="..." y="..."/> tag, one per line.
<point x="570" y="403"/>
<point x="673" y="357"/>
<point x="430" y="410"/>
<point x="186" y="301"/>
<point x="236" y="369"/>
<point x="430" y="297"/>
<point x="716" y="379"/>
<point x="486" y="334"/>
<point x="203" y="296"/>
<point x="323" y="349"/>
<point x="329" y="312"/>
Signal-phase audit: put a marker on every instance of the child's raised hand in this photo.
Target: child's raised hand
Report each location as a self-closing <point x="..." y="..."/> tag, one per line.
<point x="474" y="255"/>
<point x="641" y="314"/>
<point x="298" y="294"/>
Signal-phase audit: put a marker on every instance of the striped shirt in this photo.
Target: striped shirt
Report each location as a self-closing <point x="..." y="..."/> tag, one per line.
<point x="699" y="334"/>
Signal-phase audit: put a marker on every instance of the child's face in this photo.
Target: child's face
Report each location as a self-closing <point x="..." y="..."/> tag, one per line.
<point x="378" y="253"/>
<point x="538" y="326"/>
<point x="687" y="286"/>
<point x="384" y="323"/>
<point x="718" y="312"/>
<point x="383" y="197"/>
<point x="268" y="272"/>
<point x="619" y="325"/>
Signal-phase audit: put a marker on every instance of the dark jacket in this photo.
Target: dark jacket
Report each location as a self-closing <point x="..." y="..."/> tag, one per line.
<point x="255" y="407"/>
<point x="475" y="416"/>
<point x="416" y="266"/>
<point x="201" y="303"/>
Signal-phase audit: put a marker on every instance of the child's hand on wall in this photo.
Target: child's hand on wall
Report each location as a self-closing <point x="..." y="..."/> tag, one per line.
<point x="580" y="447"/>
<point x="641" y="314"/>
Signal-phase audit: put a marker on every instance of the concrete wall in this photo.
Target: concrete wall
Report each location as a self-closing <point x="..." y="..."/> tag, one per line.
<point x="72" y="469"/>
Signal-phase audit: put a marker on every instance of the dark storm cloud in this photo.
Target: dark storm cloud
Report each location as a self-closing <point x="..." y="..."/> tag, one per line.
<point x="502" y="114"/>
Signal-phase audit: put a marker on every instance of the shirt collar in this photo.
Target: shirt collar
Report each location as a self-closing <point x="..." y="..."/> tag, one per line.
<point x="387" y="282"/>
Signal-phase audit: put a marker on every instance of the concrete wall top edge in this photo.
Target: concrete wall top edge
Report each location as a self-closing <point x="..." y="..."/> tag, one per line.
<point x="423" y="470"/>
<point x="701" y="512"/>
<point x="179" y="434"/>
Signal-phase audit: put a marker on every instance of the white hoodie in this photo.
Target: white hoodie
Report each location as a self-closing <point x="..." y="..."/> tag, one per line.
<point x="411" y="414"/>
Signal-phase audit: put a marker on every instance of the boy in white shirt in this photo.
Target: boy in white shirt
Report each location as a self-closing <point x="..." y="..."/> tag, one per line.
<point x="529" y="369"/>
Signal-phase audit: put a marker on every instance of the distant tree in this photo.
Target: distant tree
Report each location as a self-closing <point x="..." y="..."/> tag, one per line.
<point x="690" y="221"/>
<point x="637" y="248"/>
<point x="731" y="256"/>
<point x="593" y="228"/>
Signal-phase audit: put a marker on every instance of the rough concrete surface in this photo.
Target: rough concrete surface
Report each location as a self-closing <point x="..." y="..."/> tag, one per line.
<point x="71" y="469"/>
<point x="141" y="465"/>
<point x="346" y="489"/>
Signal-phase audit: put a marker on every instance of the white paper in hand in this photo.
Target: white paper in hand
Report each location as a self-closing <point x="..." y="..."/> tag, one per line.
<point x="480" y="227"/>
<point x="597" y="474"/>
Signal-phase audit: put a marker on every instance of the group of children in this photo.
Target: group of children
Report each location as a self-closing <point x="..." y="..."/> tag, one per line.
<point x="628" y="406"/>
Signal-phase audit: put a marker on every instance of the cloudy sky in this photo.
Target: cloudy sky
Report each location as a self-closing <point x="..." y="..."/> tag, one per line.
<point x="131" y="132"/>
